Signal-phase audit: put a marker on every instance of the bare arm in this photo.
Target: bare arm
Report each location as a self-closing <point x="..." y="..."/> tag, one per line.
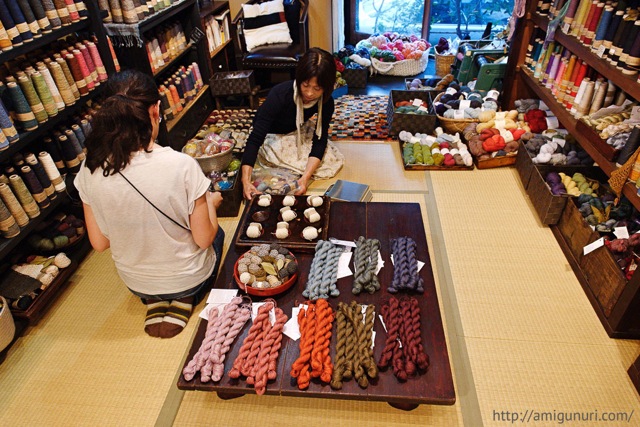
<point x="204" y="220"/>
<point x="248" y="189"/>
<point x="99" y="241"/>
<point x="303" y="181"/>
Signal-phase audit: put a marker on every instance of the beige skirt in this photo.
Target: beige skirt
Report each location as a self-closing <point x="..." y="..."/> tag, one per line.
<point x="284" y="152"/>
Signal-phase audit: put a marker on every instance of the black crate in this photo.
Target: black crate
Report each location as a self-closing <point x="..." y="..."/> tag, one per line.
<point x="232" y="83"/>
<point x="231" y="198"/>
<point x="414" y="123"/>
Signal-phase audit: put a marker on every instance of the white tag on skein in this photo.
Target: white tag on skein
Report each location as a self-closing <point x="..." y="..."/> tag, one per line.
<point x="621" y="232"/>
<point x="343" y="265"/>
<point x="465" y="103"/>
<point x="291" y="328"/>
<point x="342" y="242"/>
<point x="593" y="246"/>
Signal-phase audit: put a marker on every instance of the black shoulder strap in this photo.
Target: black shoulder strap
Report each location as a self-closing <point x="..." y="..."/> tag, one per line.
<point x="156" y="208"/>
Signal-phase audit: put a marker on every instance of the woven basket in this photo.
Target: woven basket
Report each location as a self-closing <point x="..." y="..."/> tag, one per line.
<point x="406" y="67"/>
<point x="453" y="125"/>
<point x="443" y="64"/>
<point x="7" y="327"/>
<point x="217" y="162"/>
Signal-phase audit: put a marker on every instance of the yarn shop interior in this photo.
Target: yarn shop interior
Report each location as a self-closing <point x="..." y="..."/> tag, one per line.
<point x="472" y="262"/>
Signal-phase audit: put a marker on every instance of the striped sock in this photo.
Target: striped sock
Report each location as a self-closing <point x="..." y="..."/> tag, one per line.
<point x="177" y="317"/>
<point x="155" y="315"/>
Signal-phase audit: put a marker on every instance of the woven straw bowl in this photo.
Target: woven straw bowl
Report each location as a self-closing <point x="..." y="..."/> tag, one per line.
<point x="453" y="125"/>
<point x="7" y="327"/>
<point x="217" y="162"/>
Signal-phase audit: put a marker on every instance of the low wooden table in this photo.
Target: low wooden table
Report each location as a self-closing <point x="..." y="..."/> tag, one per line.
<point x="348" y="221"/>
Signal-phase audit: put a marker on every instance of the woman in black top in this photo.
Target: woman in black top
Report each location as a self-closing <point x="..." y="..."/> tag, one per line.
<point x="283" y="135"/>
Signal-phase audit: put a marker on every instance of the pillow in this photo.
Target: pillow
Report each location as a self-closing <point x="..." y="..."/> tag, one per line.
<point x="265" y="23"/>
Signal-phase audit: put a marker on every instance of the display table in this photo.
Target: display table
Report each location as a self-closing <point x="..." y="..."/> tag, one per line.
<point x="348" y="221"/>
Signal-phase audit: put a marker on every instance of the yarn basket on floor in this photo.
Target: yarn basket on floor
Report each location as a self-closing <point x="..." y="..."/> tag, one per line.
<point x="452" y="126"/>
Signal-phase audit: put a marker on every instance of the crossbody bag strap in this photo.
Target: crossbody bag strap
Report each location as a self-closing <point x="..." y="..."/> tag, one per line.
<point x="156" y="208"/>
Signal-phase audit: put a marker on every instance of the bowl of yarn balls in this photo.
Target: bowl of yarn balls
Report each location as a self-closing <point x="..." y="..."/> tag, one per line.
<point x="60" y="232"/>
<point x="212" y="151"/>
<point x="266" y="270"/>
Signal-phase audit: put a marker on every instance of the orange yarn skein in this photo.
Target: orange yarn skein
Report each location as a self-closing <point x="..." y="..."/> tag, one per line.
<point x="307" y="338"/>
<point x="324" y="321"/>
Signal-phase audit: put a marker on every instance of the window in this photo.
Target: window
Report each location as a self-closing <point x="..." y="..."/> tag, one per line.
<point x="445" y="18"/>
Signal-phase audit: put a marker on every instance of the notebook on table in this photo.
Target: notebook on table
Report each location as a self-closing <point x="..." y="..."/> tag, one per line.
<point x="348" y="191"/>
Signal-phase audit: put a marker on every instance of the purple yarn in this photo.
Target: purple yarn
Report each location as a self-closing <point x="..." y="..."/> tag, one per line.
<point x="405" y="270"/>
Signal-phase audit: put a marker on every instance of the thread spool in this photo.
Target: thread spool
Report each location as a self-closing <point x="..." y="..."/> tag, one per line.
<point x="627" y="45"/>
<point x="86" y="127"/>
<point x="79" y="135"/>
<point x="633" y="59"/>
<point x="30" y="18"/>
<point x="33" y="99"/>
<point x="601" y="30"/>
<point x="91" y="67"/>
<point x="45" y="95"/>
<point x="52" y="14"/>
<point x="35" y="187"/>
<point x="84" y="70"/>
<point x="41" y="174"/>
<point x="73" y="11"/>
<point x="69" y="76"/>
<point x="8" y="129"/>
<point x="129" y="14"/>
<point x="82" y="9"/>
<point x="75" y="143"/>
<point x="76" y="72"/>
<point x="54" y="152"/>
<point x="4" y="142"/>
<point x="69" y="154"/>
<point x="52" y="171"/>
<point x="103" y="5"/>
<point x="61" y="83"/>
<point x="20" y="21"/>
<point x="97" y="61"/>
<point x="53" y="89"/>
<point x="24" y="197"/>
<point x="5" y="41"/>
<point x="41" y="16"/>
<point x="9" y="24"/>
<point x="23" y="114"/>
<point x="62" y="11"/>
<point x="8" y="226"/>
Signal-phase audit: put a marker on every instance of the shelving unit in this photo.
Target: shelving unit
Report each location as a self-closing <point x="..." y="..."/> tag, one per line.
<point x="222" y="58"/>
<point x="622" y="320"/>
<point x="177" y="131"/>
<point x="31" y="140"/>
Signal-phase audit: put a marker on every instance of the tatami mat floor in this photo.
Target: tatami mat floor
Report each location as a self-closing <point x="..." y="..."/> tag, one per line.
<point x="521" y="334"/>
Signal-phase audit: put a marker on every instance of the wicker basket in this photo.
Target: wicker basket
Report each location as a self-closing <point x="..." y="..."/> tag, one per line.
<point x="443" y="64"/>
<point x="406" y="67"/>
<point x="453" y="125"/>
<point x="7" y="327"/>
<point x="217" y="162"/>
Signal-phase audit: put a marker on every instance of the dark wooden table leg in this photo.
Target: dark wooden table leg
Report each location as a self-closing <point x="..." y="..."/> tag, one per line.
<point x="228" y="395"/>
<point x="634" y="373"/>
<point x="403" y="406"/>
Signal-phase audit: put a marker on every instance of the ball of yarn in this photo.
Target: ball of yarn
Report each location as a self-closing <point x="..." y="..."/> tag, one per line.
<point x="61" y="260"/>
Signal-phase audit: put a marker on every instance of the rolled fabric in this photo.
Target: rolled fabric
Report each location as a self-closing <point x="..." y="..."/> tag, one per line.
<point x="41" y="174"/>
<point x="11" y="202"/>
<point x="41" y="16"/>
<point x="19" y="19"/>
<point x="9" y="24"/>
<point x="8" y="226"/>
<point x="33" y="99"/>
<point x="69" y="76"/>
<point x="45" y="95"/>
<point x="52" y="13"/>
<point x="52" y="171"/>
<point x="35" y="187"/>
<point x="51" y="84"/>
<point x="8" y="129"/>
<point x="24" y="197"/>
<point x="95" y="56"/>
<point x="22" y="111"/>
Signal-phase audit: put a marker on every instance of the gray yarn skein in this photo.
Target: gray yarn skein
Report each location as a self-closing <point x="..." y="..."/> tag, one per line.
<point x="366" y="261"/>
<point x="314" y="271"/>
<point x="330" y="275"/>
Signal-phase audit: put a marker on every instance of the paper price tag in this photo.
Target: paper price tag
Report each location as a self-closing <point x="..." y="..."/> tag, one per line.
<point x="347" y="243"/>
<point x="423" y="108"/>
<point x="458" y="114"/>
<point x="593" y="246"/>
<point x="417" y="102"/>
<point x="600" y="51"/>
<point x="451" y="91"/>
<point x="566" y="27"/>
<point x="559" y="141"/>
<point x="621" y="232"/>
<point x="635" y="114"/>
<point x="254" y="312"/>
<point x="343" y="265"/>
<point x="465" y="103"/>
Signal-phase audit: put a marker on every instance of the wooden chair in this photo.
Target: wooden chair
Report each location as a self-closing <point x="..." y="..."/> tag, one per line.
<point x="275" y="57"/>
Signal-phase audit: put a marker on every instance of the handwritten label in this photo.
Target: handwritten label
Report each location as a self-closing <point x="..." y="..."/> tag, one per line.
<point x="566" y="27"/>
<point x="451" y="91"/>
<point x="593" y="246"/>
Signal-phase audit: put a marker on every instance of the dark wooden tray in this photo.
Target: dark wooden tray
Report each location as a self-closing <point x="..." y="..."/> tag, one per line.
<point x="295" y="241"/>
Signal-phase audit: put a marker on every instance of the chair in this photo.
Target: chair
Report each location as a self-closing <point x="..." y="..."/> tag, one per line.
<point x="275" y="57"/>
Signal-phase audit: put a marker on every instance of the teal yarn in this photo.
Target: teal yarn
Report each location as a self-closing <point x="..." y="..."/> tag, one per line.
<point x="23" y="113"/>
<point x="8" y="129"/>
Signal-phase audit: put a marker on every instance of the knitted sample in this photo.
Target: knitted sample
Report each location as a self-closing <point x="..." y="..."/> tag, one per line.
<point x="405" y="270"/>
<point x="366" y="263"/>
<point x="323" y="272"/>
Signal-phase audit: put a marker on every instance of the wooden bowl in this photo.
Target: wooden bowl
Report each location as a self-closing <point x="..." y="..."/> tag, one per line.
<point x="263" y="292"/>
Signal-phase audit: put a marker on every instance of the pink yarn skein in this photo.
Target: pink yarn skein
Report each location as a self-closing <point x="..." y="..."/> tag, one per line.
<point x="194" y="364"/>
<point x="242" y="315"/>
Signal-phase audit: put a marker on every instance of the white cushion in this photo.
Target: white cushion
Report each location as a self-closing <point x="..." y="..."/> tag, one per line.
<point x="265" y="23"/>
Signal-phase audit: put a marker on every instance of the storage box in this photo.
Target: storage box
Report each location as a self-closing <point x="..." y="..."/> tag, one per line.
<point x="548" y="206"/>
<point x="575" y="230"/>
<point x="600" y="144"/>
<point x="524" y="165"/>
<point x="414" y="123"/>
<point x="231" y="199"/>
<point x="355" y="77"/>
<point x="232" y="83"/>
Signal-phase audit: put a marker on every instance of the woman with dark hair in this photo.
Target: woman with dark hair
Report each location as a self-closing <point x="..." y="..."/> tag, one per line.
<point x="150" y="205"/>
<point x="284" y="136"/>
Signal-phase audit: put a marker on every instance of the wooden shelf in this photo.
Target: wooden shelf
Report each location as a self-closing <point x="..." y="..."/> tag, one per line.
<point x="629" y="84"/>
<point x="584" y="135"/>
<point x="164" y="14"/>
<point x="219" y="49"/>
<point x="27" y="138"/>
<point x="171" y="123"/>
<point x="172" y="61"/>
<point x="43" y="41"/>
<point x="213" y="7"/>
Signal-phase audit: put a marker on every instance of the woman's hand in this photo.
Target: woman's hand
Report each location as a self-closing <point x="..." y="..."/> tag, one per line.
<point x="249" y="190"/>
<point x="303" y="183"/>
<point x="214" y="198"/>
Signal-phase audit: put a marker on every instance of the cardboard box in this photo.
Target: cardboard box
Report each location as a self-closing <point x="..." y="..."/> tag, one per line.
<point x="414" y="123"/>
<point x="232" y="83"/>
